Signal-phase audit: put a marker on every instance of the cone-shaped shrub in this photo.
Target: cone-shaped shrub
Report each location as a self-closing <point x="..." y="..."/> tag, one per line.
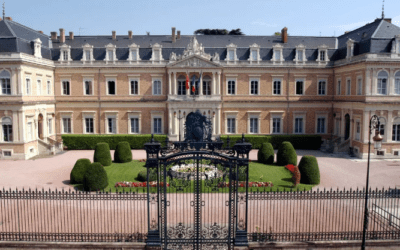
<point x="95" y="177"/>
<point x="142" y="176"/>
<point x="123" y="152"/>
<point x="266" y="154"/>
<point x="79" y="170"/>
<point x="102" y="154"/>
<point x="309" y="170"/>
<point x="286" y="154"/>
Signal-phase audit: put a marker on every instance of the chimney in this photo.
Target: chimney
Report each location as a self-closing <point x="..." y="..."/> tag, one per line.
<point x="178" y="35"/>
<point x="173" y="35"/>
<point x="346" y="32"/>
<point x="41" y="32"/>
<point x="62" y="35"/>
<point x="71" y="35"/>
<point x="114" y="35"/>
<point x="130" y="34"/>
<point x="389" y="20"/>
<point x="8" y="18"/>
<point x="53" y="36"/>
<point x="284" y="35"/>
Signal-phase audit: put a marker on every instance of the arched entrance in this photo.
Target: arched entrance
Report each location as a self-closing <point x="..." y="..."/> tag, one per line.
<point x="40" y="126"/>
<point x="347" y="127"/>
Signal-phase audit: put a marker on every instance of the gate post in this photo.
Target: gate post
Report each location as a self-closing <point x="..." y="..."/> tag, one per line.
<point x="153" y="213"/>
<point x="242" y="150"/>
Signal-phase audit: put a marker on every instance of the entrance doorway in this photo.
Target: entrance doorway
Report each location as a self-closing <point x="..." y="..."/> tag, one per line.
<point x="40" y="126"/>
<point x="347" y="127"/>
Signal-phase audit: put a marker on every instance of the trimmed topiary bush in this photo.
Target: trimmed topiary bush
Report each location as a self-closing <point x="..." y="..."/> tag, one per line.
<point x="286" y="154"/>
<point x="123" y="152"/>
<point x="102" y="154"/>
<point x="266" y="154"/>
<point x="309" y="170"/>
<point x="95" y="177"/>
<point x="142" y="176"/>
<point x="79" y="170"/>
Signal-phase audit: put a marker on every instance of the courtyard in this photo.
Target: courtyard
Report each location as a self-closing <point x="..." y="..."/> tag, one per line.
<point x="337" y="171"/>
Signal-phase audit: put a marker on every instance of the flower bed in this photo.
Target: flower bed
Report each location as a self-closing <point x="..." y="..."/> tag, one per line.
<point x="221" y="184"/>
<point x="295" y="173"/>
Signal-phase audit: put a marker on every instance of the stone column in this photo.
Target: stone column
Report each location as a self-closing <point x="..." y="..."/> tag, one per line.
<point x="188" y="90"/>
<point x="390" y="87"/>
<point x="169" y="83"/>
<point x="170" y="122"/>
<point x="22" y="124"/>
<point x="388" y="126"/>
<point x="365" y="126"/>
<point x="201" y="86"/>
<point x="368" y="82"/>
<point x="214" y="84"/>
<point x="174" y="84"/>
<point x="174" y="115"/>
<point x="374" y="81"/>
<point x="20" y="84"/>
<point x="15" y="127"/>
<point x="219" y="83"/>
<point x="342" y="126"/>
<point x="218" y="122"/>
<point x="14" y="82"/>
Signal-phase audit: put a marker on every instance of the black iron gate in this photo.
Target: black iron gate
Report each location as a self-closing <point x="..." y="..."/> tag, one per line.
<point x="197" y="190"/>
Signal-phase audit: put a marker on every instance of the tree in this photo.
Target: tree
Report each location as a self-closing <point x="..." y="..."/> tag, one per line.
<point x="218" y="32"/>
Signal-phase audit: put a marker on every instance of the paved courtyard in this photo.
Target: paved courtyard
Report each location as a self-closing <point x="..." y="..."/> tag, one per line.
<point x="337" y="171"/>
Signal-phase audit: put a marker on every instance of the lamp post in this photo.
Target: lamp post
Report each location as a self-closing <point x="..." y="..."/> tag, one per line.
<point x="179" y="118"/>
<point x="373" y="125"/>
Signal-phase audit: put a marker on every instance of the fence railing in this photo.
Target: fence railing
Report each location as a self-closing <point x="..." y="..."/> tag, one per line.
<point x="75" y="216"/>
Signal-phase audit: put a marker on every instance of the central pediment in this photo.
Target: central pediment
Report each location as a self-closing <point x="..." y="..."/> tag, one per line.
<point x="194" y="61"/>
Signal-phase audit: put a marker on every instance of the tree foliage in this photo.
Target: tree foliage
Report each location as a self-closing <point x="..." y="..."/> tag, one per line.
<point x="218" y="32"/>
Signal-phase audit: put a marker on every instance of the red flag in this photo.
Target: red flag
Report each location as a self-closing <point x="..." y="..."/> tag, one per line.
<point x="187" y="81"/>
<point x="193" y="89"/>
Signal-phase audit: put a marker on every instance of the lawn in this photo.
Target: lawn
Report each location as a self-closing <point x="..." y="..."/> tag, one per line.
<point x="278" y="175"/>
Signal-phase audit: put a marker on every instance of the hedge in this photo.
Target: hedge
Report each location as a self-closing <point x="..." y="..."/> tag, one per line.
<point x="123" y="152"/>
<point x="309" y="170"/>
<point x="298" y="141"/>
<point x="95" y="177"/>
<point x="79" y="170"/>
<point x="88" y="142"/>
<point x="286" y="154"/>
<point x="266" y="154"/>
<point x="102" y="154"/>
<point x="142" y="176"/>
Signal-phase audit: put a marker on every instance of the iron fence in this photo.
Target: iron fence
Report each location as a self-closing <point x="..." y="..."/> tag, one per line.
<point x="75" y="216"/>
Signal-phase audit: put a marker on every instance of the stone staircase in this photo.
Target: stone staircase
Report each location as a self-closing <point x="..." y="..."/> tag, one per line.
<point x="49" y="147"/>
<point x="337" y="145"/>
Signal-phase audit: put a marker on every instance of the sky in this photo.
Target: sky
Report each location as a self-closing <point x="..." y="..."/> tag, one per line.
<point x="257" y="17"/>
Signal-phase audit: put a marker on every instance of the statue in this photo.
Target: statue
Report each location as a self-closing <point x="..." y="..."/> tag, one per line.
<point x="216" y="57"/>
<point x="172" y="57"/>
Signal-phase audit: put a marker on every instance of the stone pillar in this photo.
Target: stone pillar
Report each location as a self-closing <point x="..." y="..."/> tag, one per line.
<point x="351" y="128"/>
<point x="169" y="83"/>
<point x="368" y="82"/>
<point x="342" y="126"/>
<point x="218" y="115"/>
<point x="374" y="81"/>
<point x="390" y="87"/>
<point x="170" y="122"/>
<point x="188" y="90"/>
<point x="15" y="127"/>
<point x="22" y="124"/>
<point x="175" y="84"/>
<point x="389" y="126"/>
<point x="201" y="86"/>
<point x="365" y="126"/>
<point x="219" y="84"/>
<point x="13" y="82"/>
<point x="214" y="84"/>
<point x="174" y="115"/>
<point x="21" y="83"/>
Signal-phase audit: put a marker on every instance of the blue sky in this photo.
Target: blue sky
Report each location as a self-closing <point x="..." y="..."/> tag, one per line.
<point x="257" y="17"/>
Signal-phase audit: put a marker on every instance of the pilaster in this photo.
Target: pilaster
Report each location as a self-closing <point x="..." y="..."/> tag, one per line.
<point x="389" y="125"/>
<point x="214" y="83"/>
<point x="219" y="84"/>
<point x="21" y="127"/>
<point x="175" y="84"/>
<point x="365" y="130"/>
<point x="15" y="126"/>
<point x="169" y="83"/>
<point x="20" y="84"/>
<point x="368" y="81"/>
<point x="13" y="82"/>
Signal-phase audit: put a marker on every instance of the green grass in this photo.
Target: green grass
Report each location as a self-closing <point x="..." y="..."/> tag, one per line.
<point x="278" y="175"/>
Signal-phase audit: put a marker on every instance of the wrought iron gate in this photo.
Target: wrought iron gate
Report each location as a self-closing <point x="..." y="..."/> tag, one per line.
<point x="197" y="190"/>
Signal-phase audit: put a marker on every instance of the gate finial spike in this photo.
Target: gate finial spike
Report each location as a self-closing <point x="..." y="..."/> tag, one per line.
<point x="152" y="138"/>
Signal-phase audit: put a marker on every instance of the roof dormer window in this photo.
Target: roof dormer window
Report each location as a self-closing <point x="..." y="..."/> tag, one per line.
<point x="277" y="54"/>
<point x="65" y="53"/>
<point x="134" y="53"/>
<point x="111" y="53"/>
<point x="87" y="53"/>
<point x="37" y="43"/>
<point x="396" y="45"/>
<point x="254" y="54"/>
<point x="323" y="54"/>
<point x="300" y="54"/>
<point x="156" y="55"/>
<point x="231" y="53"/>
<point x="350" y="48"/>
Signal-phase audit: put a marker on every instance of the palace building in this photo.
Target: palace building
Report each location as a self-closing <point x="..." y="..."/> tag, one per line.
<point x="137" y="84"/>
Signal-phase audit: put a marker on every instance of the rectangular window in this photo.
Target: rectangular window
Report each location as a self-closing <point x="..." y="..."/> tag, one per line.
<point x="110" y="54"/>
<point x="277" y="55"/>
<point x="382" y="86"/>
<point x="134" y="55"/>
<point x="181" y="87"/>
<point x="298" y="126"/>
<point x="134" y="125"/>
<point x="112" y="125"/>
<point x="397" y="86"/>
<point x="254" y="55"/>
<point x="28" y="86"/>
<point x="396" y="132"/>
<point x="65" y="55"/>
<point x="359" y="86"/>
<point x="88" y="88"/>
<point x="111" y="87"/>
<point x="157" y="87"/>
<point x="231" y="124"/>
<point x="206" y="87"/>
<point x="321" y="125"/>
<point x="358" y="130"/>
<point x="300" y="56"/>
<point x="254" y="87"/>
<point x="322" y="55"/>
<point x="29" y="132"/>
<point x="231" y="54"/>
<point x="5" y="86"/>
<point x="89" y="125"/>
<point x="48" y="87"/>
<point x="348" y="87"/>
<point x="339" y="87"/>
<point x="254" y="125"/>
<point x="39" y="87"/>
<point x="322" y="87"/>
<point x="50" y="126"/>
<point x="7" y="132"/>
<point x="231" y="87"/>
<point x="87" y="55"/>
<point x="7" y="153"/>
<point x="276" y="125"/>
<point x="134" y="87"/>
<point x="382" y="129"/>
<point x="277" y="87"/>
<point x="299" y="87"/>
<point x="157" y="125"/>
<point x="65" y="86"/>
<point x="66" y="125"/>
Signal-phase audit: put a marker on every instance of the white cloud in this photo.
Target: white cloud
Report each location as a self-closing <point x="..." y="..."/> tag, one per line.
<point x="261" y="23"/>
<point x="396" y="20"/>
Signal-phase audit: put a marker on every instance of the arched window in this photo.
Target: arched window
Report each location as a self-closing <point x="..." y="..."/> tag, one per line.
<point x="206" y="85"/>
<point x="396" y="130"/>
<point x="382" y="83"/>
<point x="181" y="85"/>
<point x="397" y="83"/>
<point x="7" y="129"/>
<point x="5" y="82"/>
<point x="382" y="127"/>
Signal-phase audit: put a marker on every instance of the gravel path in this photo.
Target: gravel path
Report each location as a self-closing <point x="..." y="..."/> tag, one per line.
<point x="336" y="171"/>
